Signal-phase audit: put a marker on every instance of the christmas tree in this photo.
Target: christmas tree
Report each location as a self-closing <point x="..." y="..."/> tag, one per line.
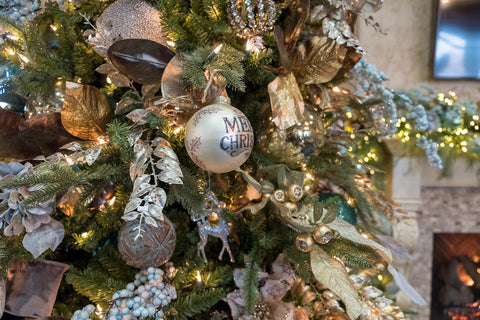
<point x="134" y="130"/>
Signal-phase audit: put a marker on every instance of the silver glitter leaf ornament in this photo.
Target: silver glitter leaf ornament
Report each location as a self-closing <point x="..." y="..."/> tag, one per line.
<point x="92" y="154"/>
<point x="125" y="105"/>
<point x="147" y="199"/>
<point x="47" y="236"/>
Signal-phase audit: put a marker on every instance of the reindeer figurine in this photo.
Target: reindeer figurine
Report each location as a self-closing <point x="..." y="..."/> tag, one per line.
<point x="211" y="210"/>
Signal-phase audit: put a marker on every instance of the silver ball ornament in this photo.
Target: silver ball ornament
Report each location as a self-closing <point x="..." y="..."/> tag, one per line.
<point x="219" y="137"/>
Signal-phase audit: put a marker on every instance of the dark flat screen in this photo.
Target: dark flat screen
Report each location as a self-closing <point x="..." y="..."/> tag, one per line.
<point x="457" y="45"/>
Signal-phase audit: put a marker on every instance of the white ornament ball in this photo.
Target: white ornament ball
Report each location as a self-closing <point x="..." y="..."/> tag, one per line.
<point x="219" y="137"/>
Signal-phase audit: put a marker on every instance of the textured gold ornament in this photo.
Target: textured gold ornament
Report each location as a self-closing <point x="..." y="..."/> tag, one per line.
<point x="130" y="19"/>
<point x="85" y="111"/>
<point x="153" y="249"/>
<point x="322" y="234"/>
<point x="286" y="101"/>
<point x="318" y="60"/>
<point x="304" y="242"/>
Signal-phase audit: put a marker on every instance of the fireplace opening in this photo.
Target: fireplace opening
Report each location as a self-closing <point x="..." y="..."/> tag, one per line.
<point x="456" y="276"/>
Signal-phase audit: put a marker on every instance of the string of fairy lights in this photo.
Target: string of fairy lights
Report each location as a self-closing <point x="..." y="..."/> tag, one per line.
<point x="452" y="136"/>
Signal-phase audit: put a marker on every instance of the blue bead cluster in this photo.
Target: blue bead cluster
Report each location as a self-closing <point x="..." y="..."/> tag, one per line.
<point x="144" y="297"/>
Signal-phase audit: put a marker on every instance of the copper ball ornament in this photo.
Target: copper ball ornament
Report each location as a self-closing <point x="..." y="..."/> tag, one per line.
<point x="219" y="137"/>
<point x="304" y="242"/>
<point x="153" y="248"/>
<point x="322" y="234"/>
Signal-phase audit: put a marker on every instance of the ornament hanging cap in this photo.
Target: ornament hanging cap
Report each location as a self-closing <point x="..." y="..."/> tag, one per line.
<point x="223" y="100"/>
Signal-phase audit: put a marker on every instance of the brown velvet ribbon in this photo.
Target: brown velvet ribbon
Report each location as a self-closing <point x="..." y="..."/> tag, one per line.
<point x="31" y="288"/>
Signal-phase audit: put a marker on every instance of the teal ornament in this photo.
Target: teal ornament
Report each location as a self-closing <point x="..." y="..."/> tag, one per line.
<point x="346" y="212"/>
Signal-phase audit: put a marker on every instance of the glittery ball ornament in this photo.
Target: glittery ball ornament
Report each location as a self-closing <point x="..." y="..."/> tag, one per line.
<point x="130" y="19"/>
<point x="142" y="245"/>
<point x="219" y="137"/>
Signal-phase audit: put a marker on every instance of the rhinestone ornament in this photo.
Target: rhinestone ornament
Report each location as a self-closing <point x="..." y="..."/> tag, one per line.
<point x="260" y="18"/>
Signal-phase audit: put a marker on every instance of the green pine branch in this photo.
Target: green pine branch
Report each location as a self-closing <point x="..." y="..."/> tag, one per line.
<point x="352" y="254"/>
<point x="188" y="194"/>
<point x="227" y="63"/>
<point x="94" y="283"/>
<point x="250" y="280"/>
<point x="191" y="304"/>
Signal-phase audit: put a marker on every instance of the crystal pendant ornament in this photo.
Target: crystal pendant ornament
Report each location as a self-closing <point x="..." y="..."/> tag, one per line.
<point x="260" y="16"/>
<point x="219" y="137"/>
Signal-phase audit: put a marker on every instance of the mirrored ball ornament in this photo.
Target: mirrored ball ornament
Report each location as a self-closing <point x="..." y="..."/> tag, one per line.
<point x="219" y="137"/>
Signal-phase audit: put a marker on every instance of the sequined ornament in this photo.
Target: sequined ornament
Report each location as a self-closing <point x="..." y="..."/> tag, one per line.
<point x="130" y="19"/>
<point x="261" y="312"/>
<point x="152" y="248"/>
<point x="211" y="223"/>
<point x="304" y="242"/>
<point x="219" y="137"/>
<point x="85" y="112"/>
<point x="260" y="16"/>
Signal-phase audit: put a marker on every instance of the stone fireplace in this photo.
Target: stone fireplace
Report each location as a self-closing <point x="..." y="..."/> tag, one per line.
<point x="435" y="207"/>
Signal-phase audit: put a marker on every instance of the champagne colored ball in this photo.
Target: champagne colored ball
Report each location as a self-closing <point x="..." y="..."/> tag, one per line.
<point x="304" y="242"/>
<point x="322" y="234"/>
<point x="219" y="137"/>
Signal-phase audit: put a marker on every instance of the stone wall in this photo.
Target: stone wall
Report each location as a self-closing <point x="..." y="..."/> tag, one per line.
<point x="443" y="210"/>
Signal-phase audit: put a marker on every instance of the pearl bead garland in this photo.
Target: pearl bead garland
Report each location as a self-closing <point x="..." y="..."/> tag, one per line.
<point x="21" y="10"/>
<point x="144" y="297"/>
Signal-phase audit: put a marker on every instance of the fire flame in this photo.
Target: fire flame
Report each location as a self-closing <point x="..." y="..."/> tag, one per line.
<point x="463" y="276"/>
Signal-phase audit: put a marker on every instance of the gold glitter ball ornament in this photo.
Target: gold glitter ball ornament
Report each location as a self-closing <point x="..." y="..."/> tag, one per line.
<point x="304" y="242"/>
<point x="130" y="19"/>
